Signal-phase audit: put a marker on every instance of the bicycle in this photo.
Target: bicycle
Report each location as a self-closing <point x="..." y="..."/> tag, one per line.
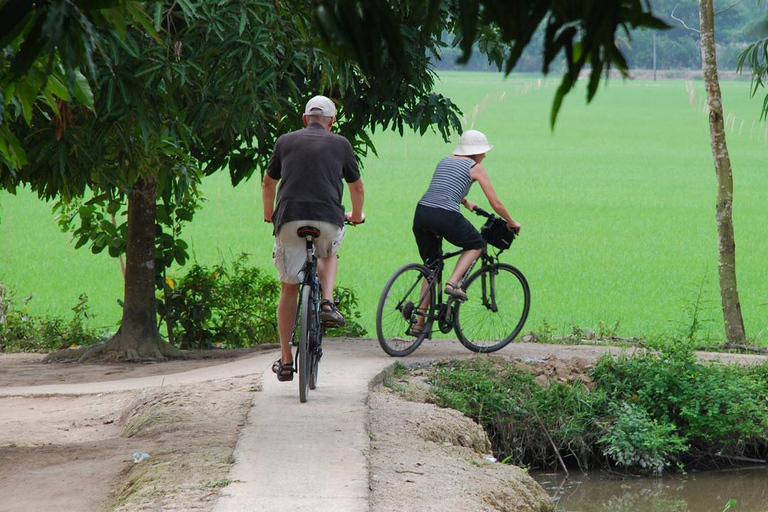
<point x="499" y="300"/>
<point x="307" y="326"/>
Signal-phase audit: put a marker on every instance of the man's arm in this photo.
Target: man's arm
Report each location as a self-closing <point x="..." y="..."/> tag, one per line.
<point x="268" y="191"/>
<point x="357" y="194"/>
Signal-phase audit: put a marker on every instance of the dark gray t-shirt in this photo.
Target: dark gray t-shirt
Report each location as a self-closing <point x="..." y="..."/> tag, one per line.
<point x="311" y="164"/>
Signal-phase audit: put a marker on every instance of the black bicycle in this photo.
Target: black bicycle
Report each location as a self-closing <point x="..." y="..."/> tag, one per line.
<point x="497" y="305"/>
<point x="309" y="329"/>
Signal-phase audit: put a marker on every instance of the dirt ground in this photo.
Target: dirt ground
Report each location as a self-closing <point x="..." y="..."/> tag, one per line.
<point x="171" y="448"/>
<point x="167" y="449"/>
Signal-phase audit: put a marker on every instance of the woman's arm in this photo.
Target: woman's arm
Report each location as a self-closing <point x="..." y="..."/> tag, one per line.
<point x="480" y="175"/>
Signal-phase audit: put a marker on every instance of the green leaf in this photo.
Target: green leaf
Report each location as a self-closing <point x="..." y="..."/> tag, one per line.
<point x="81" y="90"/>
<point x="188" y="8"/>
<point x="11" y="149"/>
<point x="26" y="92"/>
<point x="243" y="21"/>
<point x="58" y="89"/>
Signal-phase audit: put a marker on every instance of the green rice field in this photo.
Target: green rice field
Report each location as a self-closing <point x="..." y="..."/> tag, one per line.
<point x="617" y="207"/>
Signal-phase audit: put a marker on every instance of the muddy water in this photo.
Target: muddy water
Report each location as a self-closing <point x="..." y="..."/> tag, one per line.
<point x="695" y="492"/>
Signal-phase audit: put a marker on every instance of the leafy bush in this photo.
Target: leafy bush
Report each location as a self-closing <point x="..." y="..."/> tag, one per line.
<point x="642" y="413"/>
<point x="233" y="307"/>
<point x="221" y="307"/>
<point x="21" y="331"/>
<point x="719" y="410"/>
<point x="634" y="439"/>
<point x="520" y="416"/>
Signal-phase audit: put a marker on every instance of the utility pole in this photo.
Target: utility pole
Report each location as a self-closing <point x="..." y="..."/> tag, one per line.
<point x="654" y="56"/>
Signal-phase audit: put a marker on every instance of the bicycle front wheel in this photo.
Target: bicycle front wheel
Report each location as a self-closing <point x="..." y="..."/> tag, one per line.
<point x="307" y="327"/>
<point x="498" y="303"/>
<point x="401" y="305"/>
<point x="315" y="352"/>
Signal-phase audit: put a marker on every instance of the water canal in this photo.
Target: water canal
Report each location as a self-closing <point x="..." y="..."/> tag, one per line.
<point x="707" y="491"/>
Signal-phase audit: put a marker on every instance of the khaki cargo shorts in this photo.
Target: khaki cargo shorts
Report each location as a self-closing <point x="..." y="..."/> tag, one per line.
<point x="290" y="251"/>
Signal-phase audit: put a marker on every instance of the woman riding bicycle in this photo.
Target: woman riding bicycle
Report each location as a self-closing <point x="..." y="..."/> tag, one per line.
<point x="438" y="216"/>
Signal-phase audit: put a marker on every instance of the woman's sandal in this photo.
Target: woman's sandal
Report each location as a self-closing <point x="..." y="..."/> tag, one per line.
<point x="279" y="369"/>
<point x="416" y="329"/>
<point x="455" y="292"/>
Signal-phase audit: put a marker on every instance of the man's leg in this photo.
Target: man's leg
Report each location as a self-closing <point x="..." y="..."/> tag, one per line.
<point x="326" y="272"/>
<point x="286" y="316"/>
<point x="327" y="268"/>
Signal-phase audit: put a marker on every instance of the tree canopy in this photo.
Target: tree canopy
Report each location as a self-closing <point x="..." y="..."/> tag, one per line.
<point x="586" y="35"/>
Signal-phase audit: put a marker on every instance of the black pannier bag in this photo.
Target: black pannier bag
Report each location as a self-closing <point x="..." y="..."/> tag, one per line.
<point x="495" y="232"/>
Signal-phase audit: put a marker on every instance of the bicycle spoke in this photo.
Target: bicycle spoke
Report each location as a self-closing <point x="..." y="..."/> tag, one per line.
<point x="401" y="306"/>
<point x="496" y="309"/>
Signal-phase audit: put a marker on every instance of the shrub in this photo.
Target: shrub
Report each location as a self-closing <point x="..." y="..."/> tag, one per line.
<point x="21" y="331"/>
<point x="233" y="306"/>
<point x="221" y="307"/>
<point x="634" y="439"/>
<point x="642" y="413"/>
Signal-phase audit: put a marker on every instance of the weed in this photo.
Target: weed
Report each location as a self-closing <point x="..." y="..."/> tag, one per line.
<point x="21" y="331"/>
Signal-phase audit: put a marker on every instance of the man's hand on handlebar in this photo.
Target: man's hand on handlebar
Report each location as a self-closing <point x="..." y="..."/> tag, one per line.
<point x="514" y="226"/>
<point x="354" y="219"/>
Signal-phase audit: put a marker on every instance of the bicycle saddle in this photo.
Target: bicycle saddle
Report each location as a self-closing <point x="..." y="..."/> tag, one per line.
<point x="305" y="231"/>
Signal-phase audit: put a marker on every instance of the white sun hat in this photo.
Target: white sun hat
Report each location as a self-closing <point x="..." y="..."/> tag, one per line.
<point x="472" y="142"/>
<point x="320" y="106"/>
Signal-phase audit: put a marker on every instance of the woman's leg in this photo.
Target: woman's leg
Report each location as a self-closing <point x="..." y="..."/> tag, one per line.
<point x="465" y="261"/>
<point x="421" y="317"/>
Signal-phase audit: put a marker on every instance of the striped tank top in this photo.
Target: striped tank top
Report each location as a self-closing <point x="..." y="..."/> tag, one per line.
<point x="450" y="184"/>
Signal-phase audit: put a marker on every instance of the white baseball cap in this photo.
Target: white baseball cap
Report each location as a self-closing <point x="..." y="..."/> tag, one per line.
<point x="320" y="106"/>
<point x="472" y="142"/>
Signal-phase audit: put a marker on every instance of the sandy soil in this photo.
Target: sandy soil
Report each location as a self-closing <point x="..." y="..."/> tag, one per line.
<point x="77" y="453"/>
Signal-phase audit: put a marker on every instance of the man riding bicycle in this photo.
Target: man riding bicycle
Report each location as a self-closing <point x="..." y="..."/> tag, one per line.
<point x="311" y="165"/>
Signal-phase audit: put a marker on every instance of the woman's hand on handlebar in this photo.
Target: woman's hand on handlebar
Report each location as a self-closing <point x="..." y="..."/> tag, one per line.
<point x="470" y="205"/>
<point x="354" y="220"/>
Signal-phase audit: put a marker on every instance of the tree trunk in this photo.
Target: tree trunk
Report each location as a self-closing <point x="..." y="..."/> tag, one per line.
<point x="138" y="338"/>
<point x="729" y="292"/>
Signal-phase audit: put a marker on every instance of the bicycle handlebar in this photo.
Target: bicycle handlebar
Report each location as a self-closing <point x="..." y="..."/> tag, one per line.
<point x="489" y="215"/>
<point x="483" y="213"/>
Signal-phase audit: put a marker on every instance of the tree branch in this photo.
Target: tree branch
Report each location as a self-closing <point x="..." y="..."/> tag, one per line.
<point x="681" y="21"/>
<point x="729" y="7"/>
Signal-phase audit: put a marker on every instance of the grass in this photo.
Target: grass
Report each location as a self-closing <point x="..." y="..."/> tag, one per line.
<point x="617" y="207"/>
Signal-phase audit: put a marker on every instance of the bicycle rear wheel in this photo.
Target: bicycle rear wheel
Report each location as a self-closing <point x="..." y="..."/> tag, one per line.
<point x="399" y="310"/>
<point x="307" y="327"/>
<point x="498" y="303"/>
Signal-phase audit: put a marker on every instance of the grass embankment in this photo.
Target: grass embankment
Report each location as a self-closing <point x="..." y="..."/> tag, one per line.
<point x="617" y="206"/>
<point x="645" y="413"/>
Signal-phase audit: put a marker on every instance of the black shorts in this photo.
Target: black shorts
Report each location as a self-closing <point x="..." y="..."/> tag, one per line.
<point x="429" y="224"/>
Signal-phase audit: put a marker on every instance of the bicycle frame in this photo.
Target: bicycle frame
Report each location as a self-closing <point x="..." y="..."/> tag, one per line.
<point x="310" y="279"/>
<point x="441" y="311"/>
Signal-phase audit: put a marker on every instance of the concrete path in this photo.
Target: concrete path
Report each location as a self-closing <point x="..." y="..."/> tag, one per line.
<point x="310" y="456"/>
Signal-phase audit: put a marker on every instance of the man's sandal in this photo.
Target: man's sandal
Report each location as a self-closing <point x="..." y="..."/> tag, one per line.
<point x="330" y="315"/>
<point x="280" y="370"/>
<point x="455" y="292"/>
